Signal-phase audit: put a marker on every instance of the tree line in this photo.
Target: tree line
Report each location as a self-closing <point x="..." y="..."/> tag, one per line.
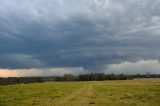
<point x="70" y="77"/>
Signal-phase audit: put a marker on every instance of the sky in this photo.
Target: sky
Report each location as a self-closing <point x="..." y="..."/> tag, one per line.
<point x="54" y="37"/>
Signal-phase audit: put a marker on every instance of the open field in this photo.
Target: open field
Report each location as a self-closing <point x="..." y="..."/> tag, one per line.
<point x="139" y="92"/>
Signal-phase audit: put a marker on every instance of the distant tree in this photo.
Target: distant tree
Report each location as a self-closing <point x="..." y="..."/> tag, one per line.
<point x="148" y="74"/>
<point x="69" y="77"/>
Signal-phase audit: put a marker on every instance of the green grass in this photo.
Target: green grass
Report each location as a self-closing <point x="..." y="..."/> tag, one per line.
<point x="36" y="93"/>
<point x="128" y="93"/>
<point x="104" y="93"/>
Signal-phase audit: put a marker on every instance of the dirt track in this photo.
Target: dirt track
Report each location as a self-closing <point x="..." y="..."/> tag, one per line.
<point x="81" y="97"/>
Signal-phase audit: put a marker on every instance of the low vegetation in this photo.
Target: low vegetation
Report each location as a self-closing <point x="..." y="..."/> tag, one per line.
<point x="137" y="92"/>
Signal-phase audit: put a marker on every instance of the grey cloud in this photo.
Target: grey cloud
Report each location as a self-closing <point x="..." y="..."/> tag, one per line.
<point x="139" y="67"/>
<point x="73" y="33"/>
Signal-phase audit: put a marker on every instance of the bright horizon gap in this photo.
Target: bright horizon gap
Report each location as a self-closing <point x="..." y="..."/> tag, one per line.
<point x="139" y="67"/>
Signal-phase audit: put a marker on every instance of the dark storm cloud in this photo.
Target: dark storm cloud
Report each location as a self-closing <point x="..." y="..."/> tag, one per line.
<point x="78" y="33"/>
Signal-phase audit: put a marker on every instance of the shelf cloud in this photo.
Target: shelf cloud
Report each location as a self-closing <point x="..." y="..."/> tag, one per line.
<point x="92" y="34"/>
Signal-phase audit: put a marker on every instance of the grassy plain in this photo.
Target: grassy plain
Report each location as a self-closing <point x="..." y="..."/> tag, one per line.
<point x="140" y="92"/>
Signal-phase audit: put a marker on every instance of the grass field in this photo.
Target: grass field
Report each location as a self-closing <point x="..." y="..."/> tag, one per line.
<point x="140" y="92"/>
